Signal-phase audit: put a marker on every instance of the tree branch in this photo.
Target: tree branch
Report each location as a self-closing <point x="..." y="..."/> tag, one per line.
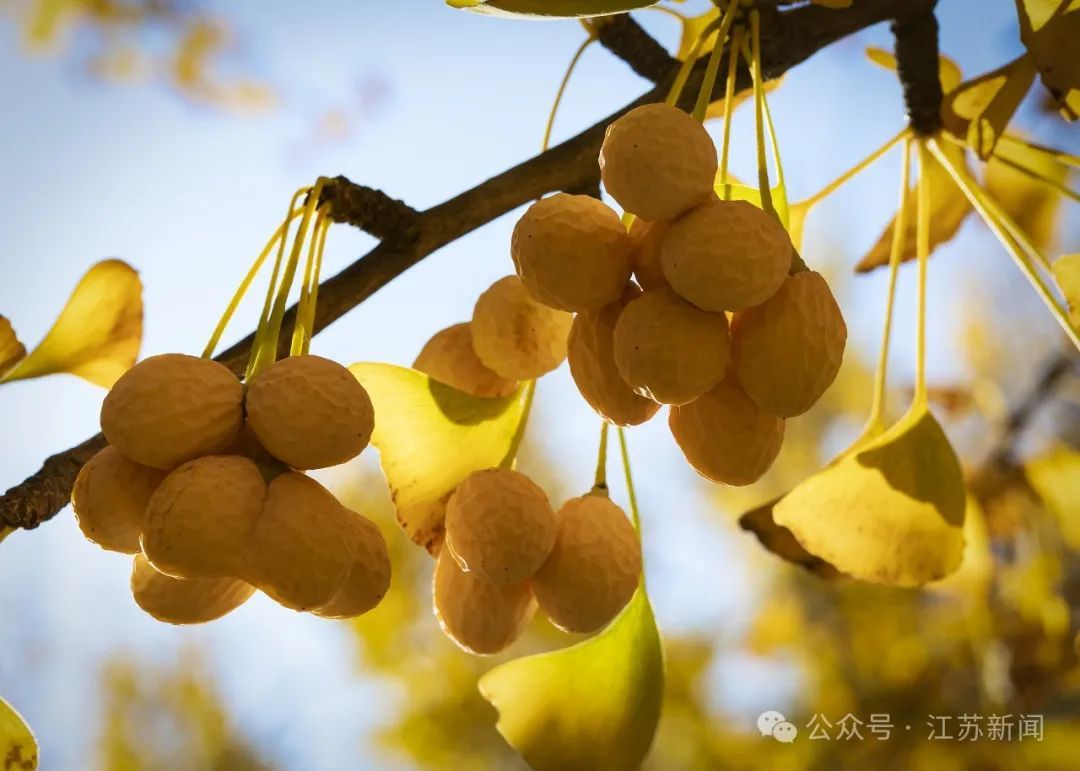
<point x="407" y="237"/>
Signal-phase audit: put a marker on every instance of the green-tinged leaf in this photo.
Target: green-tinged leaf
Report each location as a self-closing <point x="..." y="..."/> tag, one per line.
<point x="430" y="437"/>
<point x="1050" y="30"/>
<point x="1055" y="477"/>
<point x="736" y="191"/>
<point x="550" y="9"/>
<point x="11" y="350"/>
<point x="978" y="111"/>
<point x="948" y="209"/>
<point x="891" y="512"/>
<point x="1030" y="194"/>
<point x="594" y="705"/>
<point x="98" y="333"/>
<point x="1067" y="275"/>
<point x="948" y="71"/>
<point x="18" y="747"/>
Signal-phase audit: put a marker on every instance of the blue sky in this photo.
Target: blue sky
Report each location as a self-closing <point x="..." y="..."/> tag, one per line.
<point x="188" y="195"/>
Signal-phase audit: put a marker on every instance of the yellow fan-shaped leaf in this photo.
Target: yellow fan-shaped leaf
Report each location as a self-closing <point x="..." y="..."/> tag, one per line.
<point x="1050" y="30"/>
<point x="949" y="208"/>
<point x="430" y="437"/>
<point x="891" y="512"/>
<point x="98" y="333"/>
<point x="1067" y="276"/>
<point x="736" y="191"/>
<point x="692" y="27"/>
<point x="781" y="542"/>
<point x="550" y="9"/>
<point x="11" y="350"/>
<point x="18" y="747"/>
<point x="1055" y="477"/>
<point x="1032" y="203"/>
<point x="978" y="111"/>
<point x="594" y="705"/>
<point x="948" y="70"/>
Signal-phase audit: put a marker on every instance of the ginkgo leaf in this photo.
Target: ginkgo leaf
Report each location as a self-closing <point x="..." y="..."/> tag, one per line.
<point x="550" y="9"/>
<point x="978" y="111"/>
<point x="1067" y="275"/>
<point x="1049" y="30"/>
<point x="948" y="70"/>
<point x="781" y="542"/>
<point x="891" y="512"/>
<point x="594" y="705"/>
<point x="11" y="350"/>
<point x="18" y="747"/>
<point x="948" y="209"/>
<point x="736" y="191"/>
<point x="1055" y="477"/>
<point x="976" y="572"/>
<point x="430" y="437"/>
<point x="98" y="333"/>
<point x="1026" y="195"/>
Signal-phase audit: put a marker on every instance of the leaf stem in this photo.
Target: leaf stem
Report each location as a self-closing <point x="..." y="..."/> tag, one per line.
<point x="631" y="493"/>
<point x="704" y="97"/>
<point x="922" y="251"/>
<point x="729" y="108"/>
<point x="309" y="320"/>
<point x="510" y="459"/>
<point x="683" y="74"/>
<point x="600" y="479"/>
<point x="1002" y="226"/>
<point x="833" y="186"/>
<point x="301" y="333"/>
<point x="562" y="88"/>
<point x="759" y="122"/>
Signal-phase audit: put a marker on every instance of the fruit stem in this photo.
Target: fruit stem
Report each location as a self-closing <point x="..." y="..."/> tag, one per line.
<point x="600" y="479"/>
<point x="305" y="310"/>
<point x="309" y="322"/>
<point x="704" y="98"/>
<point x="562" y="88"/>
<point x="510" y="459"/>
<point x="632" y="494"/>
<point x="729" y="107"/>
<point x="833" y="186"/>
<point x="759" y="121"/>
<point x="226" y="317"/>
<point x="877" y="407"/>
<point x="688" y="63"/>
<point x="922" y="252"/>
<point x="264" y="317"/>
<point x="1007" y="232"/>
<point x="268" y="354"/>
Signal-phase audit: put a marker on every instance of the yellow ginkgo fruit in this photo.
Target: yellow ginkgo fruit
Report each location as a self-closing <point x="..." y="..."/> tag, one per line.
<point x="96" y="336"/>
<point x="725" y="436"/>
<point x="668" y="349"/>
<point x="110" y="498"/>
<point x="591" y="356"/>
<point x="309" y="412"/>
<point x="572" y="252"/>
<point x="593" y="568"/>
<point x="449" y="358"/>
<point x="298" y="551"/>
<point x="185" y="601"/>
<point x="481" y="617"/>
<point x="499" y="526"/>
<point x="368" y="579"/>
<point x="173" y="408"/>
<point x="658" y="162"/>
<point x="646" y="238"/>
<point x="516" y="336"/>
<point x="200" y="518"/>
<point x="890" y="511"/>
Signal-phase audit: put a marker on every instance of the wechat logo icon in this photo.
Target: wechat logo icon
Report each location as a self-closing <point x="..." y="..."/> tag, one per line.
<point x="772" y="723"/>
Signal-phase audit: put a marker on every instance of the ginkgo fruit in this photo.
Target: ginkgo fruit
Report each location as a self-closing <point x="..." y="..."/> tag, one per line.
<point x="481" y="617"/>
<point x="658" y="162"/>
<point x="449" y="358"/>
<point x="183" y="600"/>
<point x="368" y="578"/>
<point x="200" y="518"/>
<point x="572" y="252"/>
<point x="590" y="353"/>
<point x="668" y="349"/>
<point x="516" y="336"/>
<point x="110" y="498"/>
<point x="309" y="412"/>
<point x="726" y="255"/>
<point x="725" y="436"/>
<point x="172" y="408"/>
<point x="788" y="350"/>
<point x="593" y="568"/>
<point x="298" y="549"/>
<point x="647" y="238"/>
<point x="499" y="525"/>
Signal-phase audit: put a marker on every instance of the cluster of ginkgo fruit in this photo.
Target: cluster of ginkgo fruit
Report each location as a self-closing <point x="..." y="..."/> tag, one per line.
<point x="203" y="481"/>
<point x="725" y="322"/>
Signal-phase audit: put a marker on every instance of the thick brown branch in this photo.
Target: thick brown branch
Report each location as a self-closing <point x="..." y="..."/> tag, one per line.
<point x="917" y="66"/>
<point x="787" y="39"/>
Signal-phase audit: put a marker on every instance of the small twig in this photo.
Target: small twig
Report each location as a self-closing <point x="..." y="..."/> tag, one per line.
<point x="916" y="34"/>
